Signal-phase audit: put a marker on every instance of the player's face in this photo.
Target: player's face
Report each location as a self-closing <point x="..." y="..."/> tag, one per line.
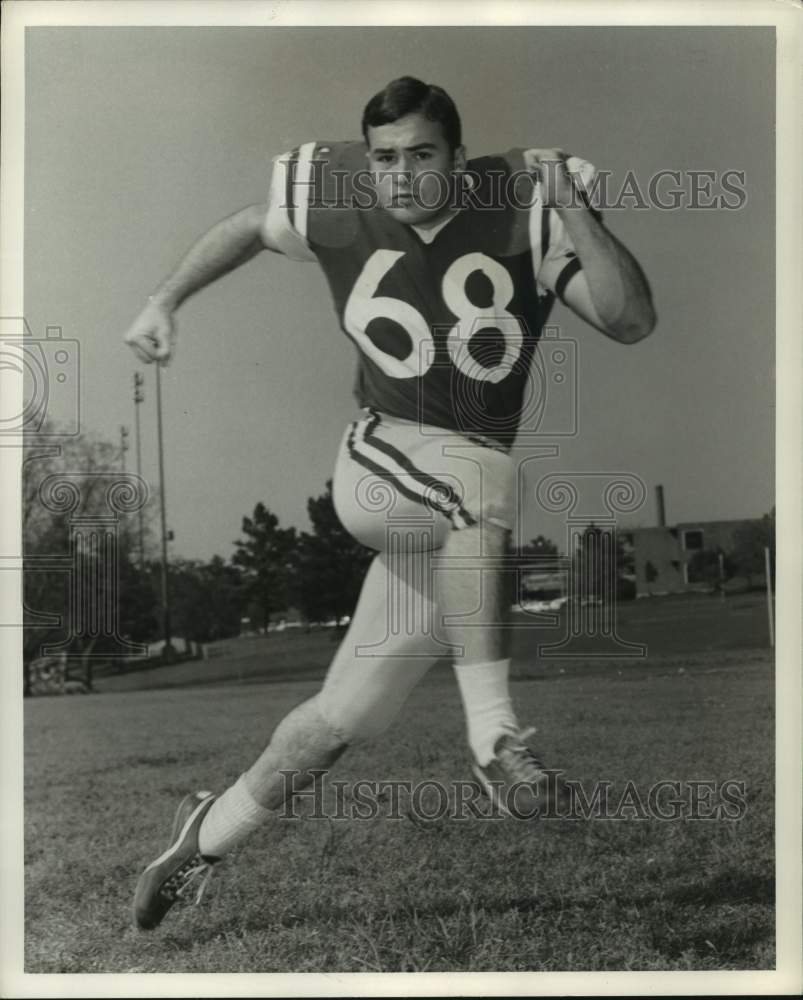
<point x="412" y="166"/>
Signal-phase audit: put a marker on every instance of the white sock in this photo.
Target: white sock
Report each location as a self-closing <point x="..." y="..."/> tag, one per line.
<point x="231" y="818"/>
<point x="486" y="702"/>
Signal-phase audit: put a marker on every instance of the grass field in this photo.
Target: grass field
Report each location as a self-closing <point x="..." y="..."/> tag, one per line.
<point x="104" y="773"/>
<point x="680" y="626"/>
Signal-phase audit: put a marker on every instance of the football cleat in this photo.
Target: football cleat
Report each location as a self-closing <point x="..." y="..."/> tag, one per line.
<point x="167" y="879"/>
<point x="518" y="784"/>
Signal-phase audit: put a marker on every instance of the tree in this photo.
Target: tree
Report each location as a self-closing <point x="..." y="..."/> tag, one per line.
<point x="266" y="556"/>
<point x="540" y="549"/>
<point x="140" y="597"/>
<point x="704" y="567"/>
<point x="330" y="565"/>
<point x="64" y="479"/>
<point x="590" y="567"/>
<point x="603" y="564"/>
<point x="207" y="599"/>
<point x="535" y="558"/>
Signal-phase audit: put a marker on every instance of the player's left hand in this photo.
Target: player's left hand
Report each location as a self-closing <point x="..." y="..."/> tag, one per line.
<point x="152" y="335"/>
<point x="559" y="176"/>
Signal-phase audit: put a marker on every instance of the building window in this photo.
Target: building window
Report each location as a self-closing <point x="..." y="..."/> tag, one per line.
<point x="693" y="540"/>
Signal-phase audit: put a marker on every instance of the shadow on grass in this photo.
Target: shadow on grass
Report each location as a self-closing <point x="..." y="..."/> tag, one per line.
<point x="727" y="889"/>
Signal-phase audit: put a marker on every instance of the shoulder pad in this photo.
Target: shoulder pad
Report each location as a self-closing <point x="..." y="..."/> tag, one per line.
<point x="503" y="190"/>
<point x="332" y="218"/>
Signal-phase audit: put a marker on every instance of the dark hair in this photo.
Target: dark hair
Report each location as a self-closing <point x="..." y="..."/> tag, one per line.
<point x="407" y="96"/>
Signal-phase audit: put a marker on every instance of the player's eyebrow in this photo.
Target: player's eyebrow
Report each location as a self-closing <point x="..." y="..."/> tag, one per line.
<point x="410" y="149"/>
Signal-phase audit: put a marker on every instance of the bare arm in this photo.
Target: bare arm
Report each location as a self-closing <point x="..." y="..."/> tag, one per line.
<point x="610" y="290"/>
<point x="224" y="247"/>
<point x="615" y="287"/>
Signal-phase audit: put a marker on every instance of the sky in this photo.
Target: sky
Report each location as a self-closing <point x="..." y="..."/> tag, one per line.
<point x="139" y="139"/>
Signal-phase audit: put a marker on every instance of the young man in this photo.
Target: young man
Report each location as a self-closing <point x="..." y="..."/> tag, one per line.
<point x="442" y="273"/>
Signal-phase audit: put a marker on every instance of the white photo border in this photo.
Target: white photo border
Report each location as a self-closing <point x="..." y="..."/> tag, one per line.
<point x="787" y="20"/>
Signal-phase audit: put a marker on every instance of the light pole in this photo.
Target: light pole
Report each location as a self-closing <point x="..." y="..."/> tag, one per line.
<point x="123" y="445"/>
<point x="139" y="397"/>
<point x="168" y="650"/>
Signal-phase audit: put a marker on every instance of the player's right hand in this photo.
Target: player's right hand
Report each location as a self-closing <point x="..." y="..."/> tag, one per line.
<point x="152" y="335"/>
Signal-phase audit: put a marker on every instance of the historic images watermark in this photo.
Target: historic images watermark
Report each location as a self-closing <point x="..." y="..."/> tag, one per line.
<point x="322" y="186"/>
<point x="40" y="380"/>
<point x="590" y="503"/>
<point x="313" y="795"/>
<point x="73" y="513"/>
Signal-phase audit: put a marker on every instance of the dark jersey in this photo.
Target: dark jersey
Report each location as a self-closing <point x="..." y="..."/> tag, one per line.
<point x="445" y="320"/>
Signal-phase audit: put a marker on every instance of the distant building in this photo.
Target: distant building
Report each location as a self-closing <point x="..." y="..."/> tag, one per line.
<point x="663" y="556"/>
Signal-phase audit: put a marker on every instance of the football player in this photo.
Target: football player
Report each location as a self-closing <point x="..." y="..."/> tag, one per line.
<point x="442" y="271"/>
